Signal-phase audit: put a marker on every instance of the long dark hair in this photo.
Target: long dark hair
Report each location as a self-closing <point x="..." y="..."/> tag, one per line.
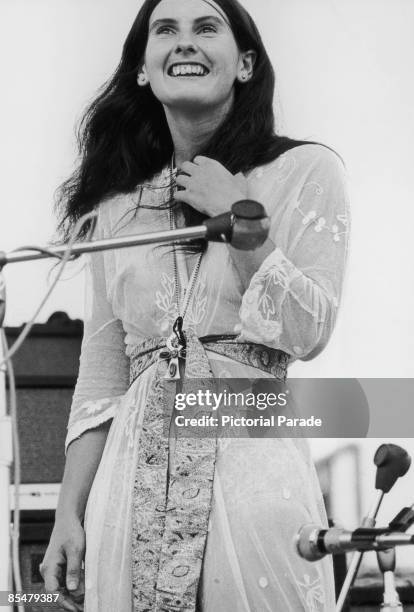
<point x="124" y="138"/>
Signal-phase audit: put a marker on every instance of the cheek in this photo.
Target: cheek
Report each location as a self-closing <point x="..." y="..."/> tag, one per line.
<point x="154" y="59"/>
<point x="228" y="60"/>
<point x="228" y="70"/>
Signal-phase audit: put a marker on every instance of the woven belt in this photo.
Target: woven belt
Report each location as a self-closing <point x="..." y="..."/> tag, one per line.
<point x="271" y="361"/>
<point x="172" y="499"/>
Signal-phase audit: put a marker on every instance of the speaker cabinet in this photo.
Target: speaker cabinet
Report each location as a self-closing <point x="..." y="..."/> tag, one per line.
<point x="45" y="368"/>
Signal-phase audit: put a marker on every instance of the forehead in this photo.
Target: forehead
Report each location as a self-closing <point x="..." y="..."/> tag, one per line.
<point x="191" y="9"/>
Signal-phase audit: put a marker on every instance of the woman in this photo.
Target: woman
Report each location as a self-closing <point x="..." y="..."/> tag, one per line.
<point x="193" y="92"/>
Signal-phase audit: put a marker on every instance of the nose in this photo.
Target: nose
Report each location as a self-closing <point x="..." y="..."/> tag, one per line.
<point x="185" y="48"/>
<point x="185" y="44"/>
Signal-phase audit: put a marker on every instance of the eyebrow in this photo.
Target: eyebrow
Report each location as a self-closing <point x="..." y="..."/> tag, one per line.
<point x="170" y="21"/>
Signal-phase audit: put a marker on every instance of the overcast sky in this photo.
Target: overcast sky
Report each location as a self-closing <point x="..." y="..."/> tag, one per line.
<point x="344" y="73"/>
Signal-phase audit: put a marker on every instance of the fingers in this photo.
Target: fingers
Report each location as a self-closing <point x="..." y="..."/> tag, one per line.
<point x="183" y="196"/>
<point x="188" y="168"/>
<point x="77" y="597"/>
<point x="51" y="573"/>
<point x="183" y="181"/>
<point x="73" y="568"/>
<point x="199" y="160"/>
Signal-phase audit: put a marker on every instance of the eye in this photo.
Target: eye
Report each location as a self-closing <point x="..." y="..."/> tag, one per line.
<point x="164" y="30"/>
<point x="207" y="29"/>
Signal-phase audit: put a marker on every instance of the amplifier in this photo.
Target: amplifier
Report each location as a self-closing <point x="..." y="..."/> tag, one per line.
<point x="46" y="368"/>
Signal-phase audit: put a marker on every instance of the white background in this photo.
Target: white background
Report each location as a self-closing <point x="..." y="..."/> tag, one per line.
<point x="344" y="77"/>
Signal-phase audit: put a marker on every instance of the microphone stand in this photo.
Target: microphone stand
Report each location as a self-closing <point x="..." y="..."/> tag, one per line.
<point x="392" y="462"/>
<point x="386" y="561"/>
<point x="6" y="458"/>
<point x="313" y="543"/>
<point x="368" y="521"/>
<point x="246" y="227"/>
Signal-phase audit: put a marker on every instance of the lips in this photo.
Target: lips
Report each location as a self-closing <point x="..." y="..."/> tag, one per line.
<point x="188" y="69"/>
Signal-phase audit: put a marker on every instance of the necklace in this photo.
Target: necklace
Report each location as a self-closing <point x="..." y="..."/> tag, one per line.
<point x="176" y="343"/>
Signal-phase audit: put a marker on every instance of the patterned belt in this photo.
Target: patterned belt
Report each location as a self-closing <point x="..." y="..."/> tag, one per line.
<point x="172" y="499"/>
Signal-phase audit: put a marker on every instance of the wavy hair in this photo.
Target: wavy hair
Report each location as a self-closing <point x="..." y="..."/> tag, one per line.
<point x="124" y="139"/>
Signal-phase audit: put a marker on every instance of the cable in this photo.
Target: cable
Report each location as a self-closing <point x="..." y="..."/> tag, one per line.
<point x="49" y="253"/>
<point x="15" y="530"/>
<point x="9" y="353"/>
<point x="38" y="250"/>
<point x="63" y="261"/>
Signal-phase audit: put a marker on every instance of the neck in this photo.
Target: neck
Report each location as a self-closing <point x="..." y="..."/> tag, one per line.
<point x="190" y="132"/>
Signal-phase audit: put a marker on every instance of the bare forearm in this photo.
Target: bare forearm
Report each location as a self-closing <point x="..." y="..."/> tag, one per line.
<point x="82" y="461"/>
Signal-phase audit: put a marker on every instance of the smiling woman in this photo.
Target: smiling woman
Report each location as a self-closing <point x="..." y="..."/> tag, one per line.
<point x="204" y="49"/>
<point x="184" y="129"/>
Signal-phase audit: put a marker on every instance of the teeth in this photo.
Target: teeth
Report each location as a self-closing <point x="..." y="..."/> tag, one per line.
<point x="184" y="69"/>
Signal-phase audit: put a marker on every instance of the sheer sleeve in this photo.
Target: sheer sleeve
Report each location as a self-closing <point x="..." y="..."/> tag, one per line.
<point x="103" y="367"/>
<point x="292" y="300"/>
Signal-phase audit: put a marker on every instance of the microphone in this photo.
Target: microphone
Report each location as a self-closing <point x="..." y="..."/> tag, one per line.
<point x="314" y="543"/>
<point x="392" y="462"/>
<point x="246" y="227"/>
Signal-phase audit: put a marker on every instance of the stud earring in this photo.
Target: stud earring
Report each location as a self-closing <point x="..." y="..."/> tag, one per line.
<point x="142" y="79"/>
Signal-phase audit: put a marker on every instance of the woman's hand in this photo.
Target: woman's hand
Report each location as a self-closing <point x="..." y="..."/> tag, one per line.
<point x="208" y="187"/>
<point x="61" y="567"/>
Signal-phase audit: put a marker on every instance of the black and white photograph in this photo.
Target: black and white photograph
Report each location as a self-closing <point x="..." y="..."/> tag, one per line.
<point x="206" y="306"/>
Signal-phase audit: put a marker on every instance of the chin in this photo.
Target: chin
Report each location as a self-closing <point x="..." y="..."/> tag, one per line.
<point x="196" y="100"/>
<point x="192" y="103"/>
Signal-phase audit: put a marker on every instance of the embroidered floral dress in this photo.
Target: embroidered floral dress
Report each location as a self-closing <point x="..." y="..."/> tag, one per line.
<point x="264" y="490"/>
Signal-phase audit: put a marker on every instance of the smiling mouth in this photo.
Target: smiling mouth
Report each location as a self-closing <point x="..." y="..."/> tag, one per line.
<point x="189" y="69"/>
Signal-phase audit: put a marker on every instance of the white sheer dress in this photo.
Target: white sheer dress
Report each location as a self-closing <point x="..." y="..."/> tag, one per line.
<point x="264" y="489"/>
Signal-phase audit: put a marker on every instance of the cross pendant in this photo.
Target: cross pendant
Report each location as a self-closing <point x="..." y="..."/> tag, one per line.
<point x="174" y="351"/>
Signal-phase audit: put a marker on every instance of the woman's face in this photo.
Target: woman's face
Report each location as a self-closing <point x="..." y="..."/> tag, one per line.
<point x="192" y="59"/>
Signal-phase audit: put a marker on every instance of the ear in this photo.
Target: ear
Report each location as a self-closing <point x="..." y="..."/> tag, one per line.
<point x="142" y="78"/>
<point x="246" y="66"/>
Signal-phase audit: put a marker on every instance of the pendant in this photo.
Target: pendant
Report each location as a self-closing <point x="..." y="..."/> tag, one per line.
<point x="175" y="350"/>
<point x="173" y="369"/>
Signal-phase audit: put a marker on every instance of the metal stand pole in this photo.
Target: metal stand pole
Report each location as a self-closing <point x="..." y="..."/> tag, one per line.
<point x="6" y="457"/>
<point x="386" y="561"/>
<point x="369" y="521"/>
